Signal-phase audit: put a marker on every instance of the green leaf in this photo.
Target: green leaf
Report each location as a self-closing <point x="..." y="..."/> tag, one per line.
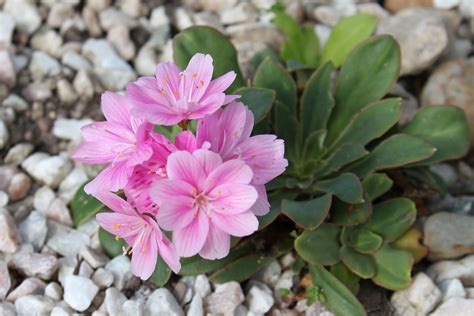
<point x="272" y="75"/>
<point x="398" y="150"/>
<point x="162" y="273"/>
<point x="308" y="214"/>
<point x="112" y="247"/>
<point x="346" y="187"/>
<point x="260" y="56"/>
<point x="286" y="126"/>
<point x="365" y="241"/>
<point x="376" y="184"/>
<point x="314" y="145"/>
<point x="206" y="40"/>
<point x="317" y="100"/>
<point x="347" y="33"/>
<point x="84" y="206"/>
<point x="393" y="268"/>
<point x="371" y="122"/>
<point x="241" y="269"/>
<point x="351" y="214"/>
<point x="339" y="299"/>
<point x="196" y="265"/>
<point x="275" y="207"/>
<point x="320" y="245"/>
<point x="367" y="74"/>
<point x="346" y="277"/>
<point x="259" y="100"/>
<point x="392" y="218"/>
<point x="344" y="155"/>
<point x="362" y="265"/>
<point x="440" y="126"/>
<point x="411" y="242"/>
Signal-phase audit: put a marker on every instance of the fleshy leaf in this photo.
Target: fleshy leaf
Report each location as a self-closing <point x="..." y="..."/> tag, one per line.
<point x="339" y="299"/>
<point x="286" y="127"/>
<point x="365" y="241"/>
<point x="440" y="126"/>
<point x="347" y="33"/>
<point x="344" y="155"/>
<point x="393" y="268"/>
<point x="84" y="206"/>
<point x="346" y="277"/>
<point x="351" y="214"/>
<point x="206" y="40"/>
<point x="259" y="101"/>
<point x="362" y="82"/>
<point x="241" y="269"/>
<point x="308" y="214"/>
<point x="411" y="242"/>
<point x="275" y="200"/>
<point x="162" y="273"/>
<point x="376" y="184"/>
<point x="346" y="187"/>
<point x="320" y="245"/>
<point x="392" y="218"/>
<point x="362" y="265"/>
<point x="112" y="247"/>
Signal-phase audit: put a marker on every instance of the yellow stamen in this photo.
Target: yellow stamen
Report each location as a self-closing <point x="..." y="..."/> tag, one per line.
<point x="117" y="237"/>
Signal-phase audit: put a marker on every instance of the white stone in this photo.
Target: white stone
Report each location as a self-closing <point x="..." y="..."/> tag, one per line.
<point x="225" y="299"/>
<point x="85" y="270"/>
<point x="455" y="307"/>
<point x="34" y="305"/>
<point x="42" y="66"/>
<point x="452" y="288"/>
<point x="103" y="278"/>
<point x="159" y="20"/>
<point x="162" y="302"/>
<point x="83" y="85"/>
<point x="241" y="13"/>
<point x="75" y="61"/>
<point x="445" y="270"/>
<point x="66" y="92"/>
<point x="54" y="291"/>
<point x="4" y="199"/>
<point x="43" y="199"/>
<point x="182" y="19"/>
<point x="4" y="134"/>
<point x="111" y="17"/>
<point x="79" y="292"/>
<point x="120" y="267"/>
<point x="94" y="258"/>
<point x="466" y="8"/>
<point x="35" y="264"/>
<point x="8" y="233"/>
<point x="113" y="301"/>
<point x="7" y="309"/>
<point x="242" y="310"/>
<point x="70" y="129"/>
<point x="46" y="169"/>
<point x="48" y="41"/>
<point x="34" y="230"/>
<point x="446" y="4"/>
<point x="259" y="298"/>
<point x="67" y="266"/>
<point x="112" y="70"/>
<point x="7" y="68"/>
<point x="270" y="274"/>
<point x="196" y="307"/>
<point x="60" y="13"/>
<point x="18" y="104"/>
<point x="202" y="285"/>
<point x="119" y="37"/>
<point x="132" y="308"/>
<point x="285" y="281"/>
<point x="7" y="25"/>
<point x="25" y="14"/>
<point x="70" y="184"/>
<point x="64" y="240"/>
<point x="419" y="299"/>
<point x="30" y="286"/>
<point x="5" y="281"/>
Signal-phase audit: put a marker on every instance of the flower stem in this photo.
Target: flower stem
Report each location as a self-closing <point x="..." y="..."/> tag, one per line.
<point x="184" y="125"/>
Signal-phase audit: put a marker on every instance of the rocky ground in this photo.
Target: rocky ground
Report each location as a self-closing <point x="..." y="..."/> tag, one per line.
<point x="57" y="57"/>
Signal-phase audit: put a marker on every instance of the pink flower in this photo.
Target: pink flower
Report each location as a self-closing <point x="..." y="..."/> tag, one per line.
<point x="174" y="95"/>
<point x="142" y="234"/>
<point x="228" y="132"/>
<point x="122" y="140"/>
<point x="204" y="201"/>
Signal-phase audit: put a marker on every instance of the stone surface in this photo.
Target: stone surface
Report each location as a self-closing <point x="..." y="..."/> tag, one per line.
<point x="202" y="285"/>
<point x="445" y="270"/>
<point x="5" y="281"/>
<point x="422" y="36"/>
<point x="449" y="235"/>
<point x="46" y="169"/>
<point x="19" y="187"/>
<point x="259" y="298"/>
<point x="34" y="230"/>
<point x="70" y="184"/>
<point x="196" y="306"/>
<point x="132" y="308"/>
<point x="35" y="264"/>
<point x="8" y="233"/>
<point x="7" y="309"/>
<point x="162" y="302"/>
<point x="7" y="68"/>
<point x="25" y="13"/>
<point x="113" y="301"/>
<point x="54" y="291"/>
<point x="48" y="41"/>
<point x="119" y="37"/>
<point x="30" y="286"/>
<point x="76" y="61"/>
<point x="419" y="299"/>
<point x="70" y="129"/>
<point x="455" y="306"/>
<point x="79" y="292"/>
<point x="103" y="278"/>
<point x="67" y="266"/>
<point x="64" y="240"/>
<point x="452" y="83"/>
<point x="225" y="299"/>
<point x="270" y="274"/>
<point x="7" y="25"/>
<point x="398" y="5"/>
<point x="34" y="305"/>
<point x="4" y="134"/>
<point x="121" y="269"/>
<point x="452" y="288"/>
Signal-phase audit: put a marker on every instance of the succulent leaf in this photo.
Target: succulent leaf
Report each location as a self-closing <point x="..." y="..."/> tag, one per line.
<point x="393" y="268"/>
<point x="344" y="155"/>
<point x="376" y="184"/>
<point x="274" y="199"/>
<point x="360" y="264"/>
<point x="241" y="269"/>
<point x="365" y="241"/>
<point x="346" y="277"/>
<point x="411" y="242"/>
<point x="84" y="206"/>
<point x="351" y="214"/>
<point x="162" y="272"/>
<point x="346" y="187"/>
<point x="258" y="100"/>
<point x="320" y="245"/>
<point x="112" y="247"/>
<point x="308" y="214"/>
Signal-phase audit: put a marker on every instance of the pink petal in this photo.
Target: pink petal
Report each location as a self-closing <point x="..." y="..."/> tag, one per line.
<point x="186" y="141"/>
<point x="233" y="198"/>
<point x="208" y="130"/>
<point x="167" y="76"/>
<point x="221" y="83"/>
<point x="138" y="187"/>
<point x="144" y="255"/>
<point x="261" y="206"/>
<point x="112" y="178"/>
<point x="116" y="108"/>
<point x="208" y="160"/>
<point x="182" y="165"/>
<point x="232" y="121"/>
<point x="230" y="98"/>
<point x="176" y="202"/>
<point x="91" y="153"/>
<point x="145" y="91"/>
<point x="206" y="106"/>
<point x="107" y="134"/>
<point x="197" y="77"/>
<point x="168" y="254"/>
<point x="217" y="244"/>
<point x="230" y="172"/>
<point x="189" y="240"/>
<point x="265" y="155"/>
<point x="158" y="114"/>
<point x="239" y="225"/>
<point x="115" y="203"/>
<point x="121" y="225"/>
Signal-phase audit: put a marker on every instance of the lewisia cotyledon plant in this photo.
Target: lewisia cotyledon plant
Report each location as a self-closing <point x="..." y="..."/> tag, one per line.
<point x="203" y="188"/>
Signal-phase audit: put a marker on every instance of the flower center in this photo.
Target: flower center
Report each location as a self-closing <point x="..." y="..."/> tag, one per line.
<point x="201" y="200"/>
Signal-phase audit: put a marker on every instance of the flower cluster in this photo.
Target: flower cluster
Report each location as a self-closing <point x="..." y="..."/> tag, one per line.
<point x="203" y="187"/>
